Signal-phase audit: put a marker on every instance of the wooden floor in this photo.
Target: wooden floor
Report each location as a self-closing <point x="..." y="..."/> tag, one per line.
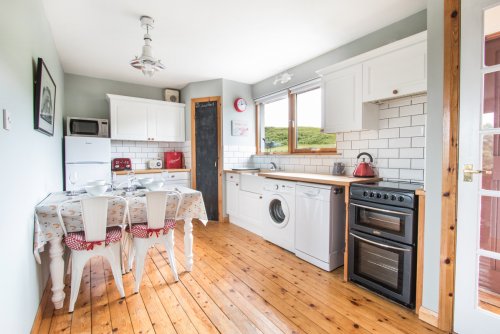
<point x="240" y="284"/>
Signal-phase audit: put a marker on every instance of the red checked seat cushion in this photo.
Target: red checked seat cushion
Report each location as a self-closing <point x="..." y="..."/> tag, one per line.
<point x="76" y="240"/>
<point x="142" y="231"/>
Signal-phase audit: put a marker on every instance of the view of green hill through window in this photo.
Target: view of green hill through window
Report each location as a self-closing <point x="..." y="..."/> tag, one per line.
<point x="277" y="138"/>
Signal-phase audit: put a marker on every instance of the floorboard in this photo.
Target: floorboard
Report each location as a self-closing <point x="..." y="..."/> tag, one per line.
<point x="240" y="284"/>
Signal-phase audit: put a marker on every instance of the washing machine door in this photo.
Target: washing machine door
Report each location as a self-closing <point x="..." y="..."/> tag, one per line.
<point x="279" y="213"/>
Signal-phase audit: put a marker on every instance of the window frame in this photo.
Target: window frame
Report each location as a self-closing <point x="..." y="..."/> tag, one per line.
<point x="292" y="130"/>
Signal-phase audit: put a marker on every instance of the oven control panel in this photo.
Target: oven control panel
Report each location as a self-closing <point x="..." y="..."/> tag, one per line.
<point x="395" y="197"/>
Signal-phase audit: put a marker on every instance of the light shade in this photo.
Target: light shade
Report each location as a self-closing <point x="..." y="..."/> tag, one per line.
<point x="146" y="62"/>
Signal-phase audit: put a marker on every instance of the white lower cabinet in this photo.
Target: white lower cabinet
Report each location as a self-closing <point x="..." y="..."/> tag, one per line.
<point x="174" y="178"/>
<point x="232" y="189"/>
<point x="244" y="201"/>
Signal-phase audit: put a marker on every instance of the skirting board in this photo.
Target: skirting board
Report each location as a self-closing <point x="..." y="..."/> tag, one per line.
<point x="428" y="316"/>
<point x="37" y="322"/>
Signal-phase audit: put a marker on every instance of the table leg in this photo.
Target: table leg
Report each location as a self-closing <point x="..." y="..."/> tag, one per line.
<point x="56" y="253"/>
<point x="188" y="243"/>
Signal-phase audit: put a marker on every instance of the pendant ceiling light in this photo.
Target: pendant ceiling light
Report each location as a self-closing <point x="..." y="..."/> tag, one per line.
<point x="146" y="62"/>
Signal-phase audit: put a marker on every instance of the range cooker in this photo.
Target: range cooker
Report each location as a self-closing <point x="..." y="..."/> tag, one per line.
<point x="382" y="238"/>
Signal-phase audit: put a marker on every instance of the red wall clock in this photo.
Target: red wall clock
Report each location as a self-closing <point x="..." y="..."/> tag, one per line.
<point x="240" y="105"/>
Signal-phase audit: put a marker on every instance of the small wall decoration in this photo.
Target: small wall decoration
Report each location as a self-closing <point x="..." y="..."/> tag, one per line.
<point x="172" y="95"/>
<point x="45" y="99"/>
<point x="240" y="105"/>
<point x="239" y="128"/>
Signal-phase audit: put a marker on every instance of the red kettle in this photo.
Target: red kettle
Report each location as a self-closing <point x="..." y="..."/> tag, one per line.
<point x="363" y="168"/>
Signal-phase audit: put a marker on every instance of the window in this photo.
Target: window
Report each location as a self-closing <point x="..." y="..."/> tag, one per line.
<point x="274" y="127"/>
<point x="290" y="122"/>
<point x="308" y="124"/>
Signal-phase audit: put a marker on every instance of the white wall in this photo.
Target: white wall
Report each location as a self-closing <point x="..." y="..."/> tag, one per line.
<point x="397" y="146"/>
<point x="140" y="152"/>
<point x="31" y="161"/>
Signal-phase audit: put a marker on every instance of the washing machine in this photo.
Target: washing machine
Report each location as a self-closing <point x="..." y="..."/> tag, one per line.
<point x="279" y="213"/>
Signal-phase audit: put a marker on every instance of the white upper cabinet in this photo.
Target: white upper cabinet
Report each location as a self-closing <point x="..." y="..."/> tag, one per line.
<point x="342" y="102"/>
<point x="349" y="87"/>
<point x="148" y="120"/>
<point x="397" y="73"/>
<point x="129" y="120"/>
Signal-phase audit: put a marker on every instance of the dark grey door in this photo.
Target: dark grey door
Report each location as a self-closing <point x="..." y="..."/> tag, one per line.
<point x="207" y="155"/>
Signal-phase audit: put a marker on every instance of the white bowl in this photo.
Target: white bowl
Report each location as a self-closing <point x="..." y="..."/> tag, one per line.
<point x="96" y="190"/>
<point x="144" y="182"/>
<point x="155" y="185"/>
<point x="96" y="183"/>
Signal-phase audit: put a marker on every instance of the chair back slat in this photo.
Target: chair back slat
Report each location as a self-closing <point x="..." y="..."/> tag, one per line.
<point x="93" y="212"/>
<point x="156" y="206"/>
<point x="95" y="217"/>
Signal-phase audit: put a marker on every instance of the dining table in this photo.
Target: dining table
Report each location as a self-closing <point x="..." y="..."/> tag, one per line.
<point x="48" y="230"/>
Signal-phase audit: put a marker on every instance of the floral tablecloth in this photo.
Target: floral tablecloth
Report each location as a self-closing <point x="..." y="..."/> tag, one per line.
<point x="47" y="224"/>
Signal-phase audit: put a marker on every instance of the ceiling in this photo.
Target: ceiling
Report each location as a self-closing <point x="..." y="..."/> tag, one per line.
<point x="197" y="40"/>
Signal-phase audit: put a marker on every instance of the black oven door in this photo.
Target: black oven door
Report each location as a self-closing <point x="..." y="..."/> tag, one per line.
<point x="393" y="223"/>
<point x="84" y="127"/>
<point x="383" y="266"/>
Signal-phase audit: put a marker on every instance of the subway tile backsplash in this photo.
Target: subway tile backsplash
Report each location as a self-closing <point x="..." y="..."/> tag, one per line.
<point x="142" y="151"/>
<point x="398" y="146"/>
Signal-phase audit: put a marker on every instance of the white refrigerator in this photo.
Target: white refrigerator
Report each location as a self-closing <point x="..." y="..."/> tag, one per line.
<point x="90" y="157"/>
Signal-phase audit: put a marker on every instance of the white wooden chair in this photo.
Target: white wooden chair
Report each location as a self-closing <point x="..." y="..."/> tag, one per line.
<point x="158" y="229"/>
<point x="96" y="239"/>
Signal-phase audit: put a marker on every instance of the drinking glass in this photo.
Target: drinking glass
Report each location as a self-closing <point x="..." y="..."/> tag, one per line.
<point x="130" y="181"/>
<point x="73" y="179"/>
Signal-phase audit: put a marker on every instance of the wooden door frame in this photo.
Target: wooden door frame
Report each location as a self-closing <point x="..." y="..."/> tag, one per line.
<point x="219" y="147"/>
<point x="450" y="168"/>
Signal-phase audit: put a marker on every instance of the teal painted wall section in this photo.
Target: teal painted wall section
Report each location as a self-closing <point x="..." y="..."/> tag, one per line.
<point x="31" y="161"/>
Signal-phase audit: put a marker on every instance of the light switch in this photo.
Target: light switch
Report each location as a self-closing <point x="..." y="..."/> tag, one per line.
<point x="7" y="120"/>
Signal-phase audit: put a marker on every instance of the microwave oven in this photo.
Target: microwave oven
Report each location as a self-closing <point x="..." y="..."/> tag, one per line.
<point x="92" y="127"/>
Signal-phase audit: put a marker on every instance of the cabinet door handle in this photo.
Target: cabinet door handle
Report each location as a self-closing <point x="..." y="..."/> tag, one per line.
<point x="395" y="91"/>
<point x="237" y="184"/>
<point x="260" y="197"/>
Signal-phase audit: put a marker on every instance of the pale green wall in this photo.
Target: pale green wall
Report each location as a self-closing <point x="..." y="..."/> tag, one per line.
<point x="434" y="146"/>
<point x="31" y="164"/>
<point x="196" y="90"/>
<point x="232" y="90"/>
<point x="86" y="96"/>
<point x="307" y="70"/>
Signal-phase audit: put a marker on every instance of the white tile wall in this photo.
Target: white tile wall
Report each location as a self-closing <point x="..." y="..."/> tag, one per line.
<point x="140" y="151"/>
<point x="398" y="147"/>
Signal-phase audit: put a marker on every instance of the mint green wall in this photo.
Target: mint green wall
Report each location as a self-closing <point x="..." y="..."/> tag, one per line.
<point x="433" y="153"/>
<point x="196" y="90"/>
<point x="232" y="90"/>
<point x="307" y="70"/>
<point x="86" y="96"/>
<point x="31" y="161"/>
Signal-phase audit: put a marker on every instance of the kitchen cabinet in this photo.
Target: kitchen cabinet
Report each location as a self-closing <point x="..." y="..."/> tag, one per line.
<point x="244" y="201"/>
<point x="350" y="87"/>
<point x="146" y="120"/>
<point x="342" y="103"/>
<point x="397" y="73"/>
<point x="173" y="178"/>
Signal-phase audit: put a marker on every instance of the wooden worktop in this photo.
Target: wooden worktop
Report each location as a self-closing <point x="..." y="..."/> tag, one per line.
<point x="337" y="180"/>
<point x="247" y="171"/>
<point x="151" y="171"/>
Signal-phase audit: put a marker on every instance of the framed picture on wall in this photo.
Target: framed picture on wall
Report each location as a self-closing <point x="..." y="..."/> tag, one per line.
<point x="239" y="128"/>
<point x="45" y="99"/>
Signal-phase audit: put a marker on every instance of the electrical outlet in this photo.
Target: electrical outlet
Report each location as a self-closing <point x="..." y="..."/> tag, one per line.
<point x="7" y="120"/>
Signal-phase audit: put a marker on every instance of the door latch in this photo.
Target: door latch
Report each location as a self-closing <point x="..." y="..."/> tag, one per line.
<point x="469" y="171"/>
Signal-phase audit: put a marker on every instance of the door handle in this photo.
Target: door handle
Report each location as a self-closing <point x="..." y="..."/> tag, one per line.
<point x="379" y="244"/>
<point x="469" y="171"/>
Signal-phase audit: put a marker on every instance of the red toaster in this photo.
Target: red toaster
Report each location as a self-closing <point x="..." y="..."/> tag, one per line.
<point x="174" y="160"/>
<point x="121" y="164"/>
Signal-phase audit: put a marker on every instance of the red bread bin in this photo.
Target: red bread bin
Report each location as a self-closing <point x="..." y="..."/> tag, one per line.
<point x="174" y="160"/>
